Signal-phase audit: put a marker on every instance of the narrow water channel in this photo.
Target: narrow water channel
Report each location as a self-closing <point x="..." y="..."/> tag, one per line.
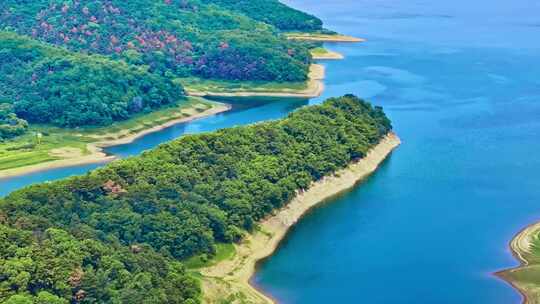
<point x="245" y="111"/>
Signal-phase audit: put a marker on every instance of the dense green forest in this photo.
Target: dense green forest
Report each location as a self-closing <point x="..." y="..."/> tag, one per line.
<point x="118" y="234"/>
<point x="82" y="63"/>
<point x="273" y="12"/>
<point x="175" y="38"/>
<point x="10" y="124"/>
<point x="46" y="84"/>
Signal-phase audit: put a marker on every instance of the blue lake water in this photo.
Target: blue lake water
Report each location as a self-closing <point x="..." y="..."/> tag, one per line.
<point x="461" y="82"/>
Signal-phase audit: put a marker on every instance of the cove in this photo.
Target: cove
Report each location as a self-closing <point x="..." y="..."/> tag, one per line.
<point x="461" y="82"/>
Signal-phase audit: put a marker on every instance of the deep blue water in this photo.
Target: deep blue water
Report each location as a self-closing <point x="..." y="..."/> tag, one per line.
<point x="461" y="82"/>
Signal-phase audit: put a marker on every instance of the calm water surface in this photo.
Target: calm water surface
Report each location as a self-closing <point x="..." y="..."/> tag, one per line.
<point x="461" y="82"/>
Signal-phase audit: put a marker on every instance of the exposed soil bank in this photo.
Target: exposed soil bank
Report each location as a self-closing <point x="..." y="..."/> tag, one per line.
<point x="323" y="37"/>
<point x="314" y="88"/>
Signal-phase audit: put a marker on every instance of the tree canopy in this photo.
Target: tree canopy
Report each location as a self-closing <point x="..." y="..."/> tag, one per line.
<point x="206" y="38"/>
<point x="10" y="124"/>
<point x="81" y="63"/>
<point x="273" y="12"/>
<point x="118" y="234"/>
<point x="47" y="84"/>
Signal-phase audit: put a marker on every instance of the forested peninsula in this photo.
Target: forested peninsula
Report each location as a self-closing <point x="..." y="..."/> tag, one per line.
<point x="125" y="233"/>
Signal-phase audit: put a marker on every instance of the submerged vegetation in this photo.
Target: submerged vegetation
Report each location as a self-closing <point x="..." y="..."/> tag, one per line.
<point x="120" y="233"/>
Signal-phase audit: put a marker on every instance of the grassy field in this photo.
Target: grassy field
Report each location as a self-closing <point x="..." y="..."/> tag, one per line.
<point x="58" y="143"/>
<point x="322" y="53"/>
<point x="223" y="252"/>
<point x="527" y="277"/>
<point x="148" y="120"/>
<point x="28" y="150"/>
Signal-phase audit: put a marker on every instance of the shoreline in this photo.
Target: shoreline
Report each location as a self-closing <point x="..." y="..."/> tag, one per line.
<point x="315" y="88"/>
<point x="97" y="155"/>
<point x="329" y="55"/>
<point x="232" y="277"/>
<point x="323" y="37"/>
<point x="520" y="246"/>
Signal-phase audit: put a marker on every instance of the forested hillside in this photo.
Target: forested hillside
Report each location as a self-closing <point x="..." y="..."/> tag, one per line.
<point x="118" y="234"/>
<point x="273" y="12"/>
<point x="86" y="63"/>
<point x="45" y="84"/>
<point x="175" y="38"/>
<point x="10" y="124"/>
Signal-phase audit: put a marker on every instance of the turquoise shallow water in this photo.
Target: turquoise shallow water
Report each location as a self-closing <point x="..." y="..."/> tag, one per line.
<point x="461" y="82"/>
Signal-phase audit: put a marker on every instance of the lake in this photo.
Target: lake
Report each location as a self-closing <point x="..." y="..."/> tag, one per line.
<point x="461" y="82"/>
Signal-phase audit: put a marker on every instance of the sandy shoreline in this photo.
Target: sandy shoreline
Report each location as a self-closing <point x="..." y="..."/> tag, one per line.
<point x="324" y="38"/>
<point x="329" y="55"/>
<point x="315" y="88"/>
<point x="521" y="247"/>
<point x="232" y="276"/>
<point x="97" y="155"/>
<point x="522" y="242"/>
